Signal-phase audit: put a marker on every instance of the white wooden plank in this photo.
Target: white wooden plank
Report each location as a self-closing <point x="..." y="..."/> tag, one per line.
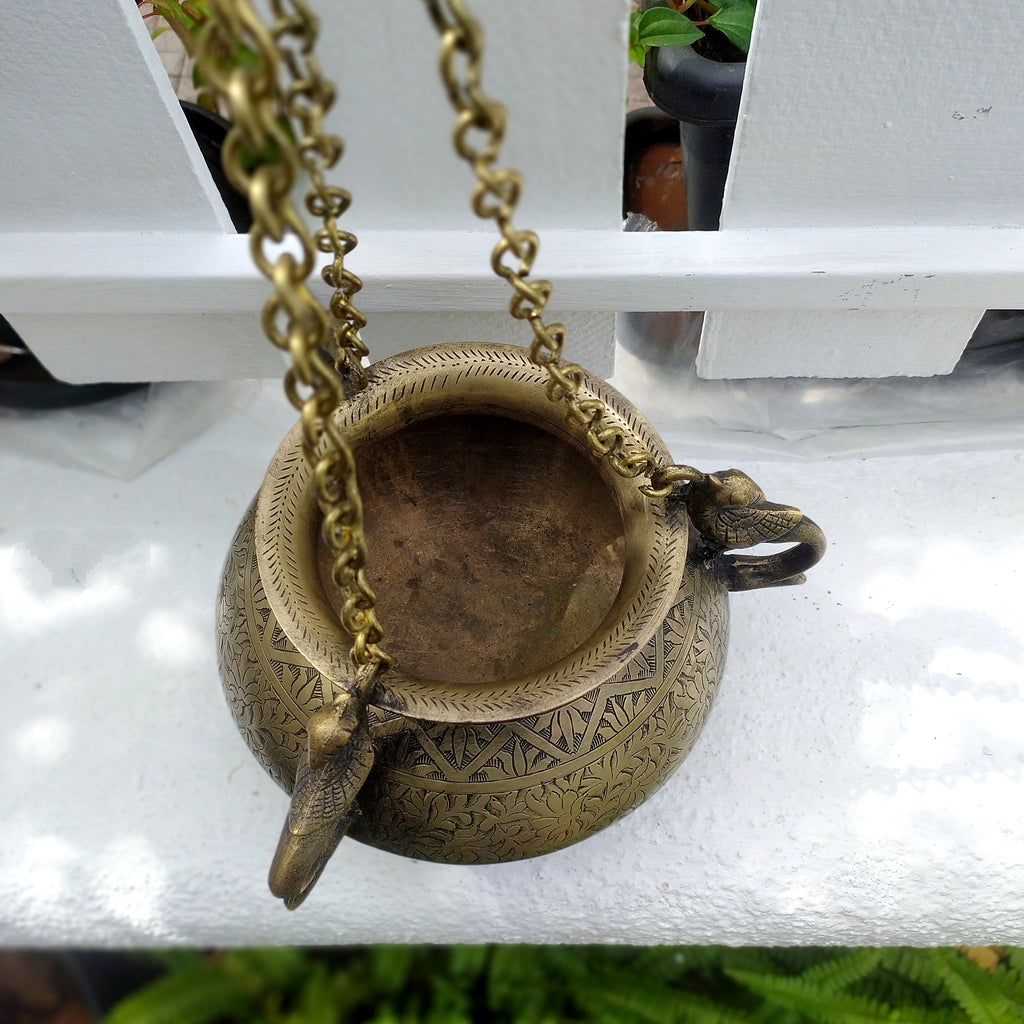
<point x="217" y="346"/>
<point x="541" y="61"/>
<point x="93" y="137"/>
<point x="905" y="115"/>
<point x="859" y="780"/>
<point x="810" y="343"/>
<point x="158" y="306"/>
<point x="871" y="269"/>
<point x="852" y="118"/>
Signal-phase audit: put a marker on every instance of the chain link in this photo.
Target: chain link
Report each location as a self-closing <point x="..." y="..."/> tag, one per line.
<point x="278" y="103"/>
<point x="480" y="125"/>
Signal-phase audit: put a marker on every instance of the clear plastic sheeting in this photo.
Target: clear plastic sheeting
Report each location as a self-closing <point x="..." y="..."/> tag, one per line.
<point x="980" y="405"/>
<point x="121" y="437"/>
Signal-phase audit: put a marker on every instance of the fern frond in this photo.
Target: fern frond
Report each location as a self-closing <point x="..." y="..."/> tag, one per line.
<point x="1010" y="981"/>
<point x="468" y="962"/>
<point x="749" y="958"/>
<point x="771" y="1013"/>
<point x="177" y="959"/>
<point x="660" y="963"/>
<point x="886" y="986"/>
<point x="640" y="1004"/>
<point x="797" y="959"/>
<point x="263" y="969"/>
<point x="520" y="980"/>
<point x="391" y="965"/>
<point x="197" y="994"/>
<point x="915" y="965"/>
<point x="842" y="972"/>
<point x="317" y="1003"/>
<point x="975" y="989"/>
<point x="819" y="1004"/>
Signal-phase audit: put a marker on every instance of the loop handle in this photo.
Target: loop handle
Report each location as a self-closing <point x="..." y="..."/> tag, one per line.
<point x="730" y="511"/>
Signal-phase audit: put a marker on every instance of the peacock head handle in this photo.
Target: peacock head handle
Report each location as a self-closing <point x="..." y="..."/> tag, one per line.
<point x="338" y="760"/>
<point x="729" y="511"/>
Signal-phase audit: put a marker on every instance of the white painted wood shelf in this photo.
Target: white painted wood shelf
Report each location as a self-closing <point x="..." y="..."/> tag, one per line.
<point x="169" y="306"/>
<point x="861" y="779"/>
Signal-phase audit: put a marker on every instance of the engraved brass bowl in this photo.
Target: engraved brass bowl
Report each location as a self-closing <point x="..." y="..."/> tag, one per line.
<point x="557" y="636"/>
<point x="556" y="644"/>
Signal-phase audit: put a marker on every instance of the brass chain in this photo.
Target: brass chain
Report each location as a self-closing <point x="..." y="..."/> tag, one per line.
<point x="278" y="129"/>
<point x="479" y="132"/>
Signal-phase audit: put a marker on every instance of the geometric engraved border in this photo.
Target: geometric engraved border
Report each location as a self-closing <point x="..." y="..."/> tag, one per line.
<point x="494" y="791"/>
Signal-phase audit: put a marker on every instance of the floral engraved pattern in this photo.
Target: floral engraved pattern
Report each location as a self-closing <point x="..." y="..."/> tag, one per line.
<point x="480" y="793"/>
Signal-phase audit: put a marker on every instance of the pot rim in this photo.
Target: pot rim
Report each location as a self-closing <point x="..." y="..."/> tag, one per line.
<point x="692" y="88"/>
<point x="498" y="380"/>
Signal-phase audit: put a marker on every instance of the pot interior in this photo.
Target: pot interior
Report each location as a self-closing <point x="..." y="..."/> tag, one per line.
<point x="495" y="547"/>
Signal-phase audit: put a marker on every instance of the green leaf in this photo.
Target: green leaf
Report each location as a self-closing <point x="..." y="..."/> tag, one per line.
<point x="843" y="971"/>
<point x="663" y="26"/>
<point x="641" y="1004"/>
<point x="819" y="1004"/>
<point x="1011" y="981"/>
<point x="468" y="963"/>
<point x="914" y="965"/>
<point x="391" y="965"/>
<point x="735" y="19"/>
<point x="171" y="12"/>
<point x="197" y="994"/>
<point x="976" y="990"/>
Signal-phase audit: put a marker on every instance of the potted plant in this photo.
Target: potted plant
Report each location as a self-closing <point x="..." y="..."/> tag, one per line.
<point x="694" y="57"/>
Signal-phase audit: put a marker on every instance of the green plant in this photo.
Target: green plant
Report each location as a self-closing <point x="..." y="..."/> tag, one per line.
<point x="689" y="22"/>
<point x="600" y="984"/>
<point x="186" y="19"/>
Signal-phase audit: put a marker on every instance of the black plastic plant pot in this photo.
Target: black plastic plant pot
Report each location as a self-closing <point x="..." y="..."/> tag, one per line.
<point x="210" y="131"/>
<point x="704" y="97"/>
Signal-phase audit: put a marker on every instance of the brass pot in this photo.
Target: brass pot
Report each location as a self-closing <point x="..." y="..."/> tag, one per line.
<point x="558" y="637"/>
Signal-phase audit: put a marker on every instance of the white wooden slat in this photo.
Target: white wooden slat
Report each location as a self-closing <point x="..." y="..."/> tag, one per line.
<point x="897" y="118"/>
<point x="871" y="269"/>
<point x="127" y="253"/>
<point x="810" y="343"/>
<point x="161" y="306"/>
<point x="560" y="69"/>
<point x="907" y="115"/>
<point x="217" y="346"/>
<point x="100" y="300"/>
<point x="92" y="135"/>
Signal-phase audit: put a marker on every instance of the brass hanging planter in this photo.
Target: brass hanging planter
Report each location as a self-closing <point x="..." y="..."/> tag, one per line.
<point x="554" y="589"/>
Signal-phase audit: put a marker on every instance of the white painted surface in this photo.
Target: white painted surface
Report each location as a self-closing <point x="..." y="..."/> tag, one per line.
<point x="114" y="156"/>
<point x="121" y="166"/>
<point x="162" y="306"/>
<point x="559" y="70"/>
<point x="810" y="343"/>
<point x="900" y="117"/>
<point x="859" y="781"/>
<point x="413" y="271"/>
<point x="852" y="118"/>
<point x="93" y="137"/>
